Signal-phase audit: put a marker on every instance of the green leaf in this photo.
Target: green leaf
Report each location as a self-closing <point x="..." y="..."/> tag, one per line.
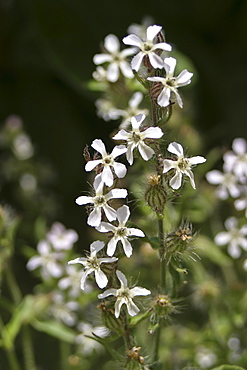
<point x="55" y="329"/>
<point x="135" y="320"/>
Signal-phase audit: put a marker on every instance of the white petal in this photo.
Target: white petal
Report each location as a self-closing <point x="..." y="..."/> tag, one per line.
<point x="90" y="165"/>
<point x="168" y="165"/>
<point x="97" y="246"/>
<point x="99" y="146"/>
<point x="145" y="151"/>
<point x="107" y="176"/>
<point x="118" y="304"/>
<point x="231" y="223"/>
<point x="164" y="97"/>
<point x="113" y="72"/>
<point x="127" y="247"/>
<point x="83" y="200"/>
<point x="107" y="293"/>
<point x="98" y="185"/>
<point x="43" y="247"/>
<point x="197" y="160"/>
<point x="111" y="246"/>
<point x="137" y="61"/>
<point x="121" y="135"/>
<point x="123" y="214"/>
<point x="120" y="169"/>
<point x="135" y="99"/>
<point x="102" y="58"/>
<point x="94" y="217"/>
<point x="132" y="308"/>
<point x="189" y="173"/>
<point x="214" y="177"/>
<point x="170" y="65"/>
<point x="152" y="133"/>
<point x="222" y="238"/>
<point x="137" y="120"/>
<point x="112" y="43"/>
<point x="239" y="145"/>
<point x="139" y="291"/>
<point x="162" y="46"/>
<point x="116" y="193"/>
<point x="34" y="262"/>
<point x="136" y="232"/>
<point x="152" y="31"/>
<point x="101" y="279"/>
<point x="184" y="78"/>
<point x="176" y="148"/>
<point x="126" y="69"/>
<point x="132" y="40"/>
<point x="129" y="153"/>
<point x="122" y="278"/>
<point x="155" y="79"/>
<point x="110" y="213"/>
<point x="84" y="276"/>
<point x="118" y="150"/>
<point x="81" y="260"/>
<point x="176" y="181"/>
<point x="155" y="60"/>
<point x="178" y="98"/>
<point x="105" y="227"/>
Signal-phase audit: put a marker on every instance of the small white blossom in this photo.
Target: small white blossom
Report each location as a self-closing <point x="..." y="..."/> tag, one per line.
<point x="141" y="29"/>
<point x="23" y="147"/>
<point x="120" y="232"/>
<point x="125" y="295"/>
<point x="106" y="110"/>
<point x="60" y="237"/>
<point x="136" y="138"/>
<point x="88" y="345"/>
<point x="234" y="237"/>
<point x="47" y="260"/>
<point x="227" y="184"/>
<point x="132" y="109"/>
<point x="62" y="310"/>
<point x="93" y="264"/>
<point x="116" y="59"/>
<point x="99" y="202"/>
<point x="71" y="282"/>
<point x="108" y="162"/>
<point x="182" y="165"/>
<point x="171" y="83"/>
<point x="100" y="74"/>
<point x="147" y="48"/>
<point x="236" y="160"/>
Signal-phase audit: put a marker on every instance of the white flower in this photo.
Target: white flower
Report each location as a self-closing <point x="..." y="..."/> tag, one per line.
<point x="99" y="202"/>
<point x="227" y="184"/>
<point x="92" y="264"/>
<point x="60" y="237"/>
<point x="135" y="138"/>
<point x="182" y="165"/>
<point x="89" y="345"/>
<point x="171" y="83"/>
<point x="107" y="162"/>
<point x="132" y="109"/>
<point x="234" y="237"/>
<point x="236" y="160"/>
<point x="71" y="281"/>
<point x="106" y="110"/>
<point x="120" y="232"/>
<point x="125" y="295"/>
<point x="115" y="58"/>
<point x="147" y="48"/>
<point x="23" y="147"/>
<point x="47" y="260"/>
<point x="141" y="29"/>
<point x="63" y="310"/>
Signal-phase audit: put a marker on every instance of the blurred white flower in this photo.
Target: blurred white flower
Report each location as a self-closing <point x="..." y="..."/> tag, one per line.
<point x="100" y="74"/>
<point x="71" y="282"/>
<point x="182" y="165"/>
<point x="106" y="110"/>
<point x="88" y="345"/>
<point x="23" y="147"/>
<point x="28" y="182"/>
<point x="136" y="138"/>
<point x="132" y="109"/>
<point x="227" y="184"/>
<point x="63" y="310"/>
<point x="116" y="59"/>
<point x="47" y="260"/>
<point x="141" y="29"/>
<point x="120" y="232"/>
<point x="234" y="237"/>
<point x="108" y="162"/>
<point x="171" y="83"/>
<point x="125" y="295"/>
<point x="205" y="357"/>
<point x="148" y="48"/>
<point x="93" y="264"/>
<point x="236" y="160"/>
<point x="60" y="237"/>
<point x="99" y="202"/>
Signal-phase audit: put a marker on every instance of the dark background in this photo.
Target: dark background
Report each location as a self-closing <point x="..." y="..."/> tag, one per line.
<point x="46" y="50"/>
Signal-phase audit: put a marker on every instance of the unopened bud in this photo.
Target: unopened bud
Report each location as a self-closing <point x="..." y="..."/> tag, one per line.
<point x="134" y="360"/>
<point x="156" y="195"/>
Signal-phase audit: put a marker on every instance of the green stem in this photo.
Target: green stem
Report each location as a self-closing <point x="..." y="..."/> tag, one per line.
<point x="162" y="283"/>
<point x="7" y="345"/>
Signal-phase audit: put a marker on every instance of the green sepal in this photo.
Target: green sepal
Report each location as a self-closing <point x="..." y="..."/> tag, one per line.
<point x="135" y="320"/>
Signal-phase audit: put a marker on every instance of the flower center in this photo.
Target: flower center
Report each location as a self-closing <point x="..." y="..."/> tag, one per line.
<point x="124" y="293"/>
<point x="122" y="231"/>
<point x="99" y="201"/>
<point x="136" y="137"/>
<point x="93" y="263"/>
<point x="171" y="82"/>
<point x="108" y="160"/>
<point x="147" y="47"/>
<point x="183" y="164"/>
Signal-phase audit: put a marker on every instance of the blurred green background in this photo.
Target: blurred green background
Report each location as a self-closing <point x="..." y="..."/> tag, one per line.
<point x="46" y="50"/>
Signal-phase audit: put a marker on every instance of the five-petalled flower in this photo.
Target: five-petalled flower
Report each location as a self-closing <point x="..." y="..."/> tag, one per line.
<point x="108" y="162"/>
<point x="148" y="48"/>
<point x="125" y="295"/>
<point x="116" y="59"/>
<point x="182" y="166"/>
<point x="99" y="202"/>
<point x="136" y="138"/>
<point x="93" y="264"/>
<point x="120" y="232"/>
<point x="171" y="83"/>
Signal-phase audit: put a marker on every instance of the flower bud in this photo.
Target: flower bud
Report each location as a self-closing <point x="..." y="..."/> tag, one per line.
<point x="109" y="319"/>
<point x="163" y="306"/>
<point x="156" y="195"/>
<point x="134" y="360"/>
